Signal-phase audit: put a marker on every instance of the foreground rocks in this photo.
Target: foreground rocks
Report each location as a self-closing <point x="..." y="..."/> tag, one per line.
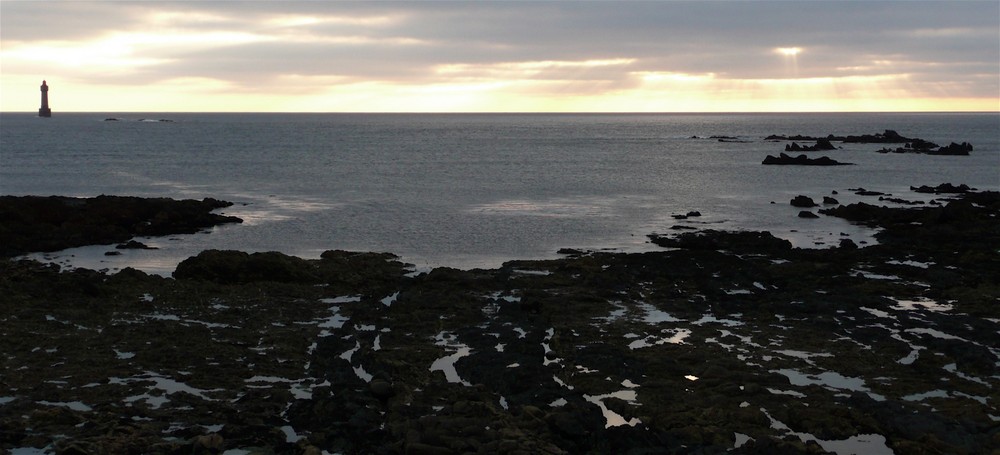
<point x="725" y="342"/>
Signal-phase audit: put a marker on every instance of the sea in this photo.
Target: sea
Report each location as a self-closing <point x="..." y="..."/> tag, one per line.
<point x="475" y="190"/>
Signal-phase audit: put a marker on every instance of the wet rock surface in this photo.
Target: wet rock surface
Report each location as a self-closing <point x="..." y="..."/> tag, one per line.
<point x="724" y="342"/>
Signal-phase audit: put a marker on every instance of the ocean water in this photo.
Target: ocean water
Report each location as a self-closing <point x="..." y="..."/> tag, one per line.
<point x="473" y="190"/>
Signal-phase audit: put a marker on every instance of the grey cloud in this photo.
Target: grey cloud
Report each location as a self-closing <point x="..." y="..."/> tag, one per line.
<point x="732" y="40"/>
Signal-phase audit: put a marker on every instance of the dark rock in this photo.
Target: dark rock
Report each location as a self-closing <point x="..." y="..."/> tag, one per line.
<point x="864" y="192"/>
<point x="693" y="213"/>
<point x="807" y="214"/>
<point x="821" y="144"/>
<point x="802" y="201"/>
<point x="830" y="200"/>
<point x="381" y="388"/>
<point x="720" y="240"/>
<point x="40" y="224"/>
<point x="962" y="149"/>
<point x="134" y="245"/>
<point x="802" y="160"/>
<point x="230" y="267"/>
<point x="848" y="244"/>
<point x="944" y="188"/>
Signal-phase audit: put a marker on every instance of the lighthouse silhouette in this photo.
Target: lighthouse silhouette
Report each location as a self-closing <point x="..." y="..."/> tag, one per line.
<point x="44" y="111"/>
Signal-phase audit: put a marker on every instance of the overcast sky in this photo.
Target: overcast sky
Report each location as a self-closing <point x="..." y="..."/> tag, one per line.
<point x="660" y="56"/>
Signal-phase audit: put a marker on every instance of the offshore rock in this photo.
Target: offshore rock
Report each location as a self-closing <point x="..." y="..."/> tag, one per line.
<point x="821" y="144"/>
<point x="931" y="148"/>
<point x="807" y="214"/>
<point x="944" y="188"/>
<point x="802" y="160"/>
<point x="802" y="201"/>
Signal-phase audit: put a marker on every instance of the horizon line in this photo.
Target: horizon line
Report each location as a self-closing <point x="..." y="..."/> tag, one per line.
<point x="35" y="112"/>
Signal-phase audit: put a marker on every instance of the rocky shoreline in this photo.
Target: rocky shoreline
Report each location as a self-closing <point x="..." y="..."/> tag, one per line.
<point x="724" y="342"/>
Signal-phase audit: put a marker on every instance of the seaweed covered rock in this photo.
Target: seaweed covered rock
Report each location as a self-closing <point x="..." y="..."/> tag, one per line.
<point x="722" y="240"/>
<point x="229" y="267"/>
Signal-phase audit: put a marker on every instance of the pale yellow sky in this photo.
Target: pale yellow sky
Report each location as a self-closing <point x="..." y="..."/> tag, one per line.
<point x="498" y="57"/>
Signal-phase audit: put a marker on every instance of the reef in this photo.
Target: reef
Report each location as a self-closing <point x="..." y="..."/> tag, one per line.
<point x="722" y="342"/>
<point x="802" y="160"/>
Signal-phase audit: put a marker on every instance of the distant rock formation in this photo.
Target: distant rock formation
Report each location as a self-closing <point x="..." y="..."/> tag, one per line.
<point x="821" y="144"/>
<point x="803" y="202"/>
<point x="931" y="148"/>
<point x="802" y="160"/>
<point x="944" y="188"/>
<point x="886" y="137"/>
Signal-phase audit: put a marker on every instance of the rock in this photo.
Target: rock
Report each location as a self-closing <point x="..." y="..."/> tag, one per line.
<point x="381" y="388"/>
<point x="208" y="443"/>
<point x="135" y="245"/>
<point x="944" y="188"/>
<point x="821" y="144"/>
<point x="802" y="201"/>
<point x="693" y="213"/>
<point x="229" y="267"/>
<point x="830" y="200"/>
<point x="802" y="160"/>
<point x="720" y="240"/>
<point x="40" y="224"/>
<point x="807" y="214"/>
<point x="953" y="149"/>
<point x="848" y="244"/>
<point x="864" y="192"/>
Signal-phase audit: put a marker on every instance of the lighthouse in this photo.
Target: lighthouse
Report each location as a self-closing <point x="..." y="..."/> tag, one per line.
<point x="44" y="111"/>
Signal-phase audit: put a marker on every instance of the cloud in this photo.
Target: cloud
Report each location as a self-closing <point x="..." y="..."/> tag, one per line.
<point x="553" y="48"/>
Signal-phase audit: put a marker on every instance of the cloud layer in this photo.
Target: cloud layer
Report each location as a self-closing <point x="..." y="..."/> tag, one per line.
<point x="565" y="55"/>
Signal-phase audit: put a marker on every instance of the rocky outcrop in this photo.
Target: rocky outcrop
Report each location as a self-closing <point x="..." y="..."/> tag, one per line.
<point x="801" y="160"/>
<point x="944" y="188"/>
<point x="38" y="224"/>
<point x="821" y="145"/>
<point x="725" y="342"/>
<point x="931" y="148"/>
<point x="802" y="201"/>
<point x="888" y="136"/>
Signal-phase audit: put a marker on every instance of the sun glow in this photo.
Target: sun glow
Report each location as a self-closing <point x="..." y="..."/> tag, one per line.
<point x="788" y="51"/>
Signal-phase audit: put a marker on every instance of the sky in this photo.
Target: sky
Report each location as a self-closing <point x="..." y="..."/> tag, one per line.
<point x="556" y="56"/>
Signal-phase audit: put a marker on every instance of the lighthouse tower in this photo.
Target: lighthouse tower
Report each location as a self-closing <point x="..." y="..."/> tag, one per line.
<point x="44" y="111"/>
